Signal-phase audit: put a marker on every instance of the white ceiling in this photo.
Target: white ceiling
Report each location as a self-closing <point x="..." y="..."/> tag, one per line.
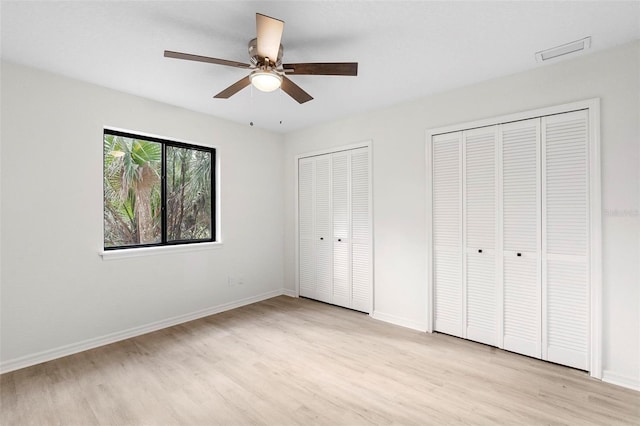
<point x="405" y="50"/>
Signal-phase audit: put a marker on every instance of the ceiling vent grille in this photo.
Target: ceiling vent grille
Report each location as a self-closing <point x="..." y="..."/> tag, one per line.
<point x="565" y="49"/>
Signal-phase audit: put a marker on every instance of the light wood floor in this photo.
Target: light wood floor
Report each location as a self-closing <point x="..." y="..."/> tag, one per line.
<point x="294" y="361"/>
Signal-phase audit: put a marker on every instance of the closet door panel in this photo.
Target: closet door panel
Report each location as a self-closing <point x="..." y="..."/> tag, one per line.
<point x="306" y="234"/>
<point x="521" y="186"/>
<point x="447" y="233"/>
<point x="566" y="239"/>
<point x="362" y="279"/>
<point x="361" y="238"/>
<point x="480" y="187"/>
<point x="479" y="193"/>
<point x="341" y="212"/>
<point x="360" y="195"/>
<point x="481" y="294"/>
<point x="447" y="270"/>
<point x="567" y="313"/>
<point x="323" y="229"/>
<point x="521" y="313"/>
<point x="521" y="237"/>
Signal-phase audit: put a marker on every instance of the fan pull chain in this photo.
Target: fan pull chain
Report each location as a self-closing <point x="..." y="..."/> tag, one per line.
<point x="251" y="104"/>
<point x="280" y="103"/>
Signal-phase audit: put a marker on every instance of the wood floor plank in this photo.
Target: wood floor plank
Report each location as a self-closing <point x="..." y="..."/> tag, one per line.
<point x="290" y="361"/>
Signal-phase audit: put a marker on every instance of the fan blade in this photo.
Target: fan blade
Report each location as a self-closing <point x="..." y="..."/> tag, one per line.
<point x="295" y="91"/>
<point x="234" y="88"/>
<point x="189" y="57"/>
<point x="269" y="34"/>
<point x="330" y="68"/>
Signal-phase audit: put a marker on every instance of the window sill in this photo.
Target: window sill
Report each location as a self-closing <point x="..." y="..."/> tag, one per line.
<point x="151" y="251"/>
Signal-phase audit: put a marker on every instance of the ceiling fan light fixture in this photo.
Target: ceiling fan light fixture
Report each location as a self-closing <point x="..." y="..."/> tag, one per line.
<point x="266" y="81"/>
<point x="269" y="74"/>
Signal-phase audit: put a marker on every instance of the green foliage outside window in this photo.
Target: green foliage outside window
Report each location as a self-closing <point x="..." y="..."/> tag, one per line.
<point x="133" y="195"/>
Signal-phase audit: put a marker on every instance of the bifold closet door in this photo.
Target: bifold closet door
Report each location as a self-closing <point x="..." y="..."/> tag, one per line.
<point x="361" y="238"/>
<point x="341" y="229"/>
<point x="447" y="233"/>
<point x="521" y="216"/>
<point x="511" y="236"/>
<point x="315" y="227"/>
<point x="481" y="287"/>
<point x="334" y="228"/>
<point x="306" y="227"/>
<point x="323" y="228"/>
<point x="566" y="247"/>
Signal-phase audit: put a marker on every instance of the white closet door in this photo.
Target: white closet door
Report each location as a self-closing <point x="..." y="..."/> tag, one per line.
<point x="340" y="237"/>
<point x="334" y="227"/>
<point x="306" y="234"/>
<point x="479" y="192"/>
<point x="361" y="238"/>
<point x="520" y="142"/>
<point x="566" y="239"/>
<point x="447" y="233"/>
<point x="323" y="229"/>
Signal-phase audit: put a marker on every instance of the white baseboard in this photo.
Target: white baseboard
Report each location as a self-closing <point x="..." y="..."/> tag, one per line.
<point x="62" y="351"/>
<point x="289" y="292"/>
<point x="403" y="322"/>
<point x="621" y="380"/>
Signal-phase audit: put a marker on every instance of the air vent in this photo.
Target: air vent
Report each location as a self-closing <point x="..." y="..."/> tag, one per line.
<point x="565" y="49"/>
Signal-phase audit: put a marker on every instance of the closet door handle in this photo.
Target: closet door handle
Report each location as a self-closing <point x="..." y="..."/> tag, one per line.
<point x="479" y="250"/>
<point x="322" y="238"/>
<point x="339" y="239"/>
<point x="518" y="254"/>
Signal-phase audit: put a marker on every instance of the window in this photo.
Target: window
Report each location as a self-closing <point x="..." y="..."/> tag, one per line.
<point x="156" y="192"/>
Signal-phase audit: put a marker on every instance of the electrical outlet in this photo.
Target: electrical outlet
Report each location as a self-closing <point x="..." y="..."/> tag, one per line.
<point x="241" y="280"/>
<point x="231" y="281"/>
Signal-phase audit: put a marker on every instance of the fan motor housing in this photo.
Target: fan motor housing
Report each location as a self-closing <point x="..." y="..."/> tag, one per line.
<point x="255" y="59"/>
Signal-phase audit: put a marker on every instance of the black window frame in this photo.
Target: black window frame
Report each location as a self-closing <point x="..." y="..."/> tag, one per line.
<point x="163" y="189"/>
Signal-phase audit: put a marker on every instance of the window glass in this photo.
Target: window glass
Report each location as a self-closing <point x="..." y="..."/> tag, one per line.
<point x="188" y="194"/>
<point x="156" y="192"/>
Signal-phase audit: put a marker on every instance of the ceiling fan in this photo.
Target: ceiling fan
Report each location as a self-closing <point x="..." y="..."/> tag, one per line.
<point x="268" y="72"/>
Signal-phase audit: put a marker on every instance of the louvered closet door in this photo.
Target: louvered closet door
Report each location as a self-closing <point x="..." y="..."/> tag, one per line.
<point x="306" y="233"/>
<point x="323" y="229"/>
<point x="361" y="238"/>
<point x="481" y="317"/>
<point x="566" y="239"/>
<point x="447" y="233"/>
<point x="520" y="147"/>
<point x="340" y="237"/>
